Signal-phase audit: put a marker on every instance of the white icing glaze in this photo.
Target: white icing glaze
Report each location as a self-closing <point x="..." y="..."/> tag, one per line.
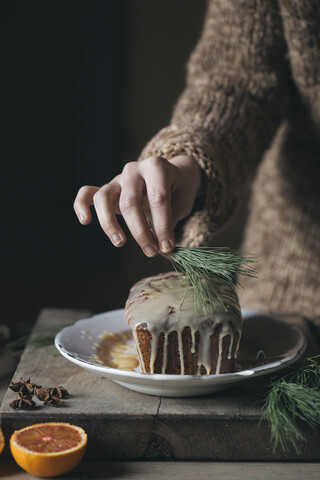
<point x="165" y="357"/>
<point x="155" y="301"/>
<point x="193" y="338"/>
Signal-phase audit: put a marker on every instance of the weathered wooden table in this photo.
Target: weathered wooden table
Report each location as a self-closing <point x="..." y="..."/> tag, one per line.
<point x="129" y="426"/>
<point x="156" y="470"/>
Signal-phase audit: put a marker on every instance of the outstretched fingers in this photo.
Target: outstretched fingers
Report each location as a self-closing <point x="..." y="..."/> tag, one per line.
<point x="83" y="202"/>
<point x="105" y="203"/>
<point x="131" y="208"/>
<point x="142" y="195"/>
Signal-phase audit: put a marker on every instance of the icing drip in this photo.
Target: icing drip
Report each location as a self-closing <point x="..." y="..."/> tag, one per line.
<point x="230" y="346"/>
<point x="238" y="344"/>
<point x="153" y="356"/>
<point x="180" y="344"/>
<point x="140" y="357"/>
<point x="193" y="340"/>
<point x="224" y="333"/>
<point x="165" y="356"/>
<point x="155" y="301"/>
<point x="219" y="354"/>
<point x="204" y="358"/>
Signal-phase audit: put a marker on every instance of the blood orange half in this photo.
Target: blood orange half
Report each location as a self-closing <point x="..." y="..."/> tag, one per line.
<point x="1" y="441"/>
<point x="48" y="449"/>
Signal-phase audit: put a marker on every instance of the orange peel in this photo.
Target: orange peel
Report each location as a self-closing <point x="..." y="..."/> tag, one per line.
<point x="48" y="449"/>
<point x="1" y="441"/>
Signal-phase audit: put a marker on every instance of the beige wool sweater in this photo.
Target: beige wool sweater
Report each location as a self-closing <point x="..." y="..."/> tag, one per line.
<point x="251" y="109"/>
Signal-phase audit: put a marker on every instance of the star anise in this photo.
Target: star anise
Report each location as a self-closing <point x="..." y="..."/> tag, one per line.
<point x="42" y="394"/>
<point x="53" y="401"/>
<point x="24" y="386"/>
<point x="49" y="396"/>
<point x="59" y="392"/>
<point x="24" y="402"/>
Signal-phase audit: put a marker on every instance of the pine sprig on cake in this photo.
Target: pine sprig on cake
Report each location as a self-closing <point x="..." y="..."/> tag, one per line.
<point x="201" y="266"/>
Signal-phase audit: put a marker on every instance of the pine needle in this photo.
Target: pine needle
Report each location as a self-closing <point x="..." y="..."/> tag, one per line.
<point x="42" y="338"/>
<point x="204" y="267"/>
<point x="290" y="399"/>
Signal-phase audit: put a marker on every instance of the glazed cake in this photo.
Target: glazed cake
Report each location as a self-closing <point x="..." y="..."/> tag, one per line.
<point x="187" y="342"/>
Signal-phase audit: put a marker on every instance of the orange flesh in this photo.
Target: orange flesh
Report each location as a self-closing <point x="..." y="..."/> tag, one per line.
<point x="49" y="439"/>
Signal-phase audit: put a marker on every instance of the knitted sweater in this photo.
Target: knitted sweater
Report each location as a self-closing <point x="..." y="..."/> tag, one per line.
<point x="253" y="83"/>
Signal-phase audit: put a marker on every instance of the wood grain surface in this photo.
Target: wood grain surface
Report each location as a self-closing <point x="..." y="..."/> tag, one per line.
<point x="123" y="424"/>
<point x="178" y="471"/>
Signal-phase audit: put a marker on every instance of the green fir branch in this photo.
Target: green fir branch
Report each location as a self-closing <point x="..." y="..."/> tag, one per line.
<point x="42" y="338"/>
<point x="292" y="399"/>
<point x="204" y="267"/>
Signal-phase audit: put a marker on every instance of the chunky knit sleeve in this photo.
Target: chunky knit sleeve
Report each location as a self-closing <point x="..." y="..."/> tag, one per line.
<point x="234" y="100"/>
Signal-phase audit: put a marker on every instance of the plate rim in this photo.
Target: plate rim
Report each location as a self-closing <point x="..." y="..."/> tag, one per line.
<point x="169" y="378"/>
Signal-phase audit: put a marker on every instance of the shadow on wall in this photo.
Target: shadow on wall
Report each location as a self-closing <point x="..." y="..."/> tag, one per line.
<point x="63" y="97"/>
<point x="86" y="85"/>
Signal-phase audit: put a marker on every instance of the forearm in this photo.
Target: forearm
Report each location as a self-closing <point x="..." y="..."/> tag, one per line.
<point x="233" y="102"/>
<point x="191" y="170"/>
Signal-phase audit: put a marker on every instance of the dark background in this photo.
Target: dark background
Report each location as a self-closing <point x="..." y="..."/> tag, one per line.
<point x="84" y="85"/>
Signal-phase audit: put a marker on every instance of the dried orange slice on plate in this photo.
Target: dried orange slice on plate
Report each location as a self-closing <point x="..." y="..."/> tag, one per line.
<point x="1" y="441"/>
<point x="48" y="449"/>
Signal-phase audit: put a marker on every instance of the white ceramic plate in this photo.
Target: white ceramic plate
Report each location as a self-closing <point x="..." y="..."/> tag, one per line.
<point x="267" y="345"/>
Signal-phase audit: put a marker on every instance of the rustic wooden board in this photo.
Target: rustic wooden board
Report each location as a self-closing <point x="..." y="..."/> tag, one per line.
<point x="122" y="424"/>
<point x="179" y="471"/>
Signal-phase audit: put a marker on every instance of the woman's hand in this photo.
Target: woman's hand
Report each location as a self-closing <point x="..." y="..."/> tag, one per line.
<point x="152" y="196"/>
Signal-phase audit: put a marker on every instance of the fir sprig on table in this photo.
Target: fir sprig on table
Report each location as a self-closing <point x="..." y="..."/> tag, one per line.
<point x="43" y="338"/>
<point x="203" y="266"/>
<point x="290" y="400"/>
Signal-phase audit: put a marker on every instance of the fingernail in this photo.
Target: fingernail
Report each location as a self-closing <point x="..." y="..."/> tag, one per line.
<point x="166" y="246"/>
<point x="82" y="217"/>
<point x="150" y="251"/>
<point x="116" y="239"/>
